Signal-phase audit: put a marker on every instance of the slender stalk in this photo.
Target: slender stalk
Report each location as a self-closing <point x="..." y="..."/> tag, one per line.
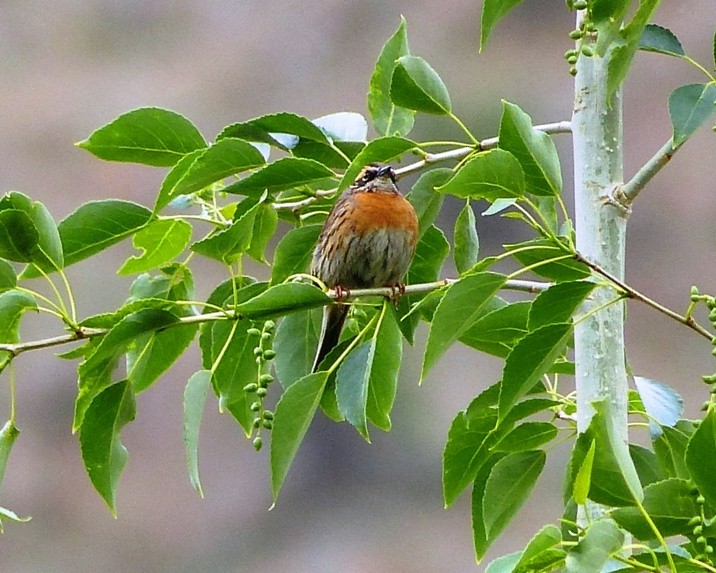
<point x="626" y="194"/>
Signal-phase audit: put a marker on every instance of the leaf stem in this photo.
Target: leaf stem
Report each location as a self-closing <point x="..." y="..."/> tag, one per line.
<point x="625" y="195"/>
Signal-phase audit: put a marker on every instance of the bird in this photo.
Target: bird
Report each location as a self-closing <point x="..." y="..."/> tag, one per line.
<point x="367" y="241"/>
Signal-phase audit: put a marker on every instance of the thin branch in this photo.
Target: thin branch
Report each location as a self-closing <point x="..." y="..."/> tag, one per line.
<point x="84" y="333"/>
<point x="632" y="293"/>
<point x="626" y="194"/>
<point x="431" y="158"/>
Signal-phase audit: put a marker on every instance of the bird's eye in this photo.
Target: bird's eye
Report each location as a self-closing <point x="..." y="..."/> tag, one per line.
<point x="369" y="175"/>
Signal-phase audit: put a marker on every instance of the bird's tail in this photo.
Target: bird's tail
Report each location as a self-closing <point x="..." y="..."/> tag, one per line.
<point x="334" y="315"/>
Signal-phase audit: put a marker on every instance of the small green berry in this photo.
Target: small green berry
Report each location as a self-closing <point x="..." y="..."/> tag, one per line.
<point x="269" y="325"/>
<point x="261" y="392"/>
<point x="268" y="415"/>
<point x="258" y="442"/>
<point x="266" y="336"/>
<point x="255" y="407"/>
<point x="694" y="520"/>
<point x="576" y="34"/>
<point x="269" y="354"/>
<point x="698" y="530"/>
<point x="254" y="332"/>
<point x="251" y="387"/>
<point x="701" y="540"/>
<point x="265" y="379"/>
<point x="580" y="5"/>
<point x="701" y="500"/>
<point x="267" y="424"/>
<point x="587" y="51"/>
<point x="573" y="71"/>
<point x="257" y="422"/>
<point x="709" y="549"/>
<point x="572" y="60"/>
<point x="259" y="360"/>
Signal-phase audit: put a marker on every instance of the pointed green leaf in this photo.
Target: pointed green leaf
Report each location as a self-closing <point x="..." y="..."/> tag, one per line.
<point x="295" y="344"/>
<point x="381" y="150"/>
<point x="661" y="40"/>
<point x="283" y="299"/>
<point x="160" y="242"/>
<point x="543" y="550"/>
<point x="492" y="12"/>
<point x="194" y="400"/>
<point x="19" y="237"/>
<point x="426" y="201"/>
<point x="457" y="312"/>
<point x="98" y="225"/>
<point x="151" y="136"/>
<point x="389" y="119"/>
<point x="8" y="435"/>
<point x="167" y="191"/>
<point x="383" y="382"/>
<point x="417" y="86"/>
<point x="558" y="303"/>
<point x="534" y="149"/>
<point x="510" y="483"/>
<point x="602" y="540"/>
<point x="267" y="129"/>
<point x="467" y="244"/>
<point x="689" y="107"/>
<point x="224" y="158"/>
<point x="480" y="537"/>
<point x="530" y="359"/>
<point x="491" y="175"/>
<point x="95" y="373"/>
<point x="670" y="505"/>
<point x="527" y="436"/>
<point x="8" y="278"/>
<point x="497" y="331"/>
<point x="700" y="459"/>
<point x="294" y="413"/>
<point x="670" y="449"/>
<point x="13" y="304"/>
<point x="282" y="174"/>
<point x="293" y="252"/>
<point x="352" y="381"/>
<point x="583" y="479"/>
<point x="228" y="244"/>
<point x="548" y="260"/>
<point x="103" y="454"/>
<point x="265" y="223"/>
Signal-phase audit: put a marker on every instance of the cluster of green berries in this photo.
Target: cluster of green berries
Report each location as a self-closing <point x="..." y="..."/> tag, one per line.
<point x="710" y="302"/>
<point x="698" y="522"/>
<point x="264" y="353"/>
<point x="586" y="30"/>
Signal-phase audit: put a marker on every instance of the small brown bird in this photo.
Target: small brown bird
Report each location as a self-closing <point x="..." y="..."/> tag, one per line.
<point x="368" y="241"/>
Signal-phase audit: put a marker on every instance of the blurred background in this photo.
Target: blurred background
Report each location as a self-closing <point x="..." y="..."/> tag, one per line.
<point x="70" y="66"/>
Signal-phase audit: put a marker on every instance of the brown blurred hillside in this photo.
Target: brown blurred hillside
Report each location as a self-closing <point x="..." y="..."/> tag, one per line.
<point x="70" y="66"/>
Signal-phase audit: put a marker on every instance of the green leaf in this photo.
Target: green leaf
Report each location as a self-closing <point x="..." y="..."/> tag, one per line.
<point x="98" y="225"/>
<point x="700" y="459"/>
<point x="529" y="360"/>
<point x="224" y="158"/>
<point x="389" y="119"/>
<point x="228" y="244"/>
<point x="295" y="344"/>
<point x="367" y="379"/>
<point x="8" y="278"/>
<point x="282" y="174"/>
<point x="498" y="330"/>
<point x="293" y="252"/>
<point x="689" y="107"/>
<point x="167" y="190"/>
<point x="492" y="12"/>
<point x="265" y="223"/>
<point x="467" y="244"/>
<point x="583" y="479"/>
<point x="381" y="150"/>
<point x="8" y="435"/>
<point x="527" y="436"/>
<point x="103" y="454"/>
<point x="417" y="86"/>
<point x="160" y="242"/>
<point x="534" y="149"/>
<point x="479" y="533"/>
<point x="267" y="128"/>
<point x="558" y="303"/>
<point x="602" y="539"/>
<point x="661" y="40"/>
<point x="670" y="506"/>
<point x="430" y="253"/>
<point x="283" y="299"/>
<point x="194" y="400"/>
<point x="95" y="372"/>
<point x="542" y="551"/>
<point x="548" y="260"/>
<point x="670" y="450"/>
<point x="19" y="237"/>
<point x="510" y="483"/>
<point x="646" y="464"/>
<point x="149" y="135"/>
<point x="425" y="200"/>
<point x="491" y="175"/>
<point x="294" y="413"/>
<point x="457" y="312"/>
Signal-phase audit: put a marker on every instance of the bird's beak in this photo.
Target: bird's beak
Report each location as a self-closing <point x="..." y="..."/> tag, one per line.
<point x="387" y="171"/>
